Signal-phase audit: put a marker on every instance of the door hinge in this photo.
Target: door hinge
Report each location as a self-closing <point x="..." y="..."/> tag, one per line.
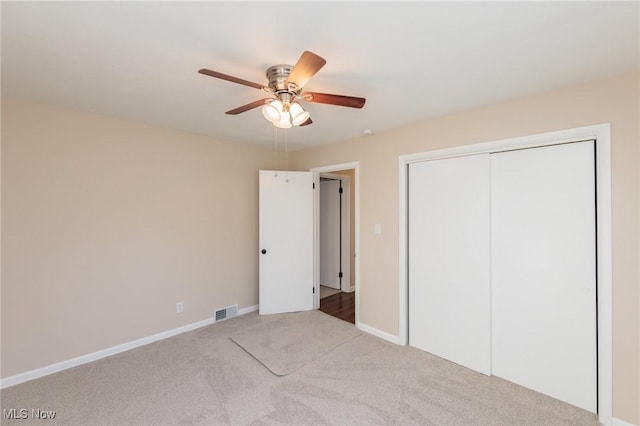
<point x="340" y="275"/>
<point x="314" y="290"/>
<point x="340" y="190"/>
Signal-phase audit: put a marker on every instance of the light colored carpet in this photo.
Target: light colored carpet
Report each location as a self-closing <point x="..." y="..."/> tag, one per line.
<point x="204" y="378"/>
<point x="291" y="341"/>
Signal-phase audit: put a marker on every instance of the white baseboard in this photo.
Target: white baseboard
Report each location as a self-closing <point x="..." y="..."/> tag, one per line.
<point x="378" y="333"/>
<point x="618" y="422"/>
<point x="74" y="362"/>
<point x="248" y="309"/>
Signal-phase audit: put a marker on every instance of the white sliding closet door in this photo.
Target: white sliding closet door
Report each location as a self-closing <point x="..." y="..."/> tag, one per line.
<point x="543" y="290"/>
<point x="449" y="311"/>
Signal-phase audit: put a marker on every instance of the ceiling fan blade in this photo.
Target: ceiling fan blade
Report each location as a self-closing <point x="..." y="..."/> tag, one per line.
<point x="231" y="79"/>
<point x="325" y="98"/>
<point x="306" y="67"/>
<point x="247" y="107"/>
<point x="307" y="122"/>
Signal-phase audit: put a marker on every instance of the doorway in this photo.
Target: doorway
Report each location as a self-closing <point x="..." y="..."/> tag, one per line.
<point x="336" y="242"/>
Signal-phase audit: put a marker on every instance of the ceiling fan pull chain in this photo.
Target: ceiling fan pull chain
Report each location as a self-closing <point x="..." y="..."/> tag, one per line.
<point x="286" y="156"/>
<point x="275" y="162"/>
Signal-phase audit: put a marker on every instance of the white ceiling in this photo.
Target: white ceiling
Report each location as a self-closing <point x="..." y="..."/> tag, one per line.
<point x="411" y="60"/>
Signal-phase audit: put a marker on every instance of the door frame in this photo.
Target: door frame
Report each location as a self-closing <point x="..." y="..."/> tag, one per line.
<point x="345" y="216"/>
<point x="601" y="133"/>
<point x="355" y="165"/>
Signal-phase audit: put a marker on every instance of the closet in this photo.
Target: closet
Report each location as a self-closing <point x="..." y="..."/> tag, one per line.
<point x="502" y="266"/>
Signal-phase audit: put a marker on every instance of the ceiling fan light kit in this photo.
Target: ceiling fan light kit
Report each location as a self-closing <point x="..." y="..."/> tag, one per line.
<point x="285" y="84"/>
<point x="283" y="113"/>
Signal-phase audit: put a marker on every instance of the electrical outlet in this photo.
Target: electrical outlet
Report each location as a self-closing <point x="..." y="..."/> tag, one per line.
<point x="179" y="307"/>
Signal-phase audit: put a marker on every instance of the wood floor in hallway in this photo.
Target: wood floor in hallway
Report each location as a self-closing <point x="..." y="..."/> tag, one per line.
<point x="341" y="305"/>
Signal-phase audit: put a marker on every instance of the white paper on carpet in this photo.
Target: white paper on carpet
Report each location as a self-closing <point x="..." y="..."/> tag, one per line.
<point x="291" y="341"/>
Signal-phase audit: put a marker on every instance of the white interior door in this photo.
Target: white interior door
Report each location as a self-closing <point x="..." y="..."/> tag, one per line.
<point x="449" y="276"/>
<point x="286" y="242"/>
<point x="330" y="233"/>
<point x="543" y="271"/>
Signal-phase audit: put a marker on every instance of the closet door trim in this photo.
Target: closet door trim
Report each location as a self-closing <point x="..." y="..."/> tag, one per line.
<point x="601" y="134"/>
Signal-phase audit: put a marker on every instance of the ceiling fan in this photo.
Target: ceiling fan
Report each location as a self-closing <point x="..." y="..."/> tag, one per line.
<point x="283" y="108"/>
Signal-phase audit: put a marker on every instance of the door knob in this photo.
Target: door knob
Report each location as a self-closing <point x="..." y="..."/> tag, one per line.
<point x="264" y="251"/>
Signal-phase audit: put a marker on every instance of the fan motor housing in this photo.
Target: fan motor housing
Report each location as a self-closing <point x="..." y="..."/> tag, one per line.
<point x="277" y="76"/>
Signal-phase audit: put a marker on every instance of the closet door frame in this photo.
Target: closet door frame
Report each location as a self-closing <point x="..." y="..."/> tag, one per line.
<point x="601" y="133"/>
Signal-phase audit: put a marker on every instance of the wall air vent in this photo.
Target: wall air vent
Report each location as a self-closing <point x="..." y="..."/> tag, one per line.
<point x="226" y="313"/>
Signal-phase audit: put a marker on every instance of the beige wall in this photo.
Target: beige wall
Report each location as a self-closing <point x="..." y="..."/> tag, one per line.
<point x="106" y="224"/>
<point x="614" y="100"/>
